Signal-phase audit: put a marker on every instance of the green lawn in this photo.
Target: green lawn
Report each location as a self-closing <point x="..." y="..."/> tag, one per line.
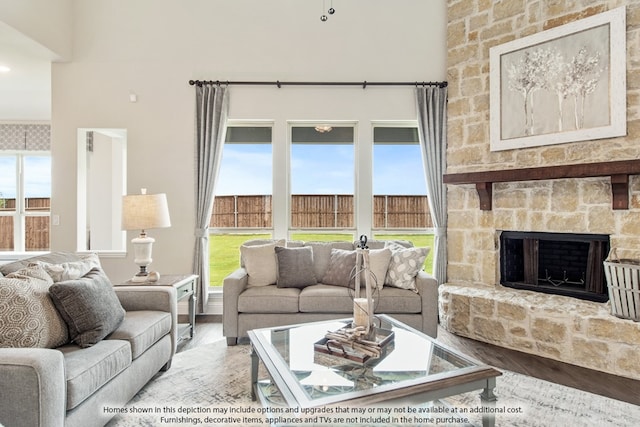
<point x="224" y="253"/>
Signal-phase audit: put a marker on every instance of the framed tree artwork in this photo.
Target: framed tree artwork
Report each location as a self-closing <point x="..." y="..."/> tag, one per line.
<point x="561" y="85"/>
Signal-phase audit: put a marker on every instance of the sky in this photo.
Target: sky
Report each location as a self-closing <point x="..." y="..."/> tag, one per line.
<point x="37" y="172"/>
<point x="329" y="169"/>
<point x="246" y="170"/>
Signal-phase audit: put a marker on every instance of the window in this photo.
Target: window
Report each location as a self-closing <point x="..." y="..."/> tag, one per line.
<point x="25" y="195"/>
<point x="400" y="204"/>
<point x="242" y="208"/>
<point x="399" y="185"/>
<point x="322" y="179"/>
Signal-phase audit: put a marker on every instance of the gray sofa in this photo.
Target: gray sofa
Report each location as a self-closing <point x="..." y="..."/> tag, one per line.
<point x="71" y="385"/>
<point x="247" y="305"/>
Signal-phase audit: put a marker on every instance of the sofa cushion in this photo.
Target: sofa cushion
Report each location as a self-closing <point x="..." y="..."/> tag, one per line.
<point x="333" y="299"/>
<point x="89" y="306"/>
<point x="142" y="329"/>
<point x="396" y="300"/>
<point x="88" y="369"/>
<point x="260" y="262"/>
<point x="340" y="271"/>
<point x="322" y="254"/>
<point x="268" y="299"/>
<point x="28" y="317"/>
<point x="404" y="266"/>
<point x="322" y="298"/>
<point x="295" y="267"/>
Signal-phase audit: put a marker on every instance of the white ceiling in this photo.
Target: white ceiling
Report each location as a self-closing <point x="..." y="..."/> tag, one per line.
<point x="25" y="91"/>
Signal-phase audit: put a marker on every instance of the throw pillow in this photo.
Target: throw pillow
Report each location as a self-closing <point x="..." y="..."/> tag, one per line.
<point x="51" y="258"/>
<point x="73" y="269"/>
<point x="295" y="267"/>
<point x="89" y="306"/>
<point x="378" y="265"/>
<point x="322" y="254"/>
<point x="28" y="317"/>
<point x="260" y="263"/>
<point x="341" y="268"/>
<point x="404" y="266"/>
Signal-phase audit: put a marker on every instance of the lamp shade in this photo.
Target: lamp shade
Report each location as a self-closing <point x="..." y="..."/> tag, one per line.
<point x="145" y="211"/>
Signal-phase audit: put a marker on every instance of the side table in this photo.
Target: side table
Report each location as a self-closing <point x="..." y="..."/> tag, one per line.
<point x="185" y="289"/>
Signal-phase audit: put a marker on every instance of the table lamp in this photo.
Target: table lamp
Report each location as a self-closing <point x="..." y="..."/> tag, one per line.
<point x="143" y="212"/>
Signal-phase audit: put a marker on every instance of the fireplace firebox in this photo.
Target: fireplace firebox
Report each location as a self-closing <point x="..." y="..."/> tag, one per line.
<point x="556" y="263"/>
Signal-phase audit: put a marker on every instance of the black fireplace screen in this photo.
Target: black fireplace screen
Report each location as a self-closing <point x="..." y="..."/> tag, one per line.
<point x="557" y="263"/>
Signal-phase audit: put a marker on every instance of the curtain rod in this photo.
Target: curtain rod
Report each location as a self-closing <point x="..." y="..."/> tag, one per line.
<point x="278" y="83"/>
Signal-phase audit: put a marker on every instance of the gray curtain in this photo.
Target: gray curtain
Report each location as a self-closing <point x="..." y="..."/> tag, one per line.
<point x="212" y="105"/>
<point x="432" y="128"/>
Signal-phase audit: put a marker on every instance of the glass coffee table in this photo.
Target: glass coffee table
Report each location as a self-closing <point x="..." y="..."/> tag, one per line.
<point x="413" y="369"/>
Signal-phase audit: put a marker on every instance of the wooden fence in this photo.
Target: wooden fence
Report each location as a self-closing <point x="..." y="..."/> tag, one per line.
<point x="37" y="227"/>
<point x="321" y="211"/>
<point x="307" y="211"/>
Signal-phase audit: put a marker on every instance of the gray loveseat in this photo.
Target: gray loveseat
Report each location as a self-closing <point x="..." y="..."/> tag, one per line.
<point x="74" y="385"/>
<point x="315" y="293"/>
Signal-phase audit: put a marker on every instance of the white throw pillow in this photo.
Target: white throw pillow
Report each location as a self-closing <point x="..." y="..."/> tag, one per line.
<point x="378" y="265"/>
<point x="261" y="263"/>
<point x="71" y="270"/>
<point x="404" y="266"/>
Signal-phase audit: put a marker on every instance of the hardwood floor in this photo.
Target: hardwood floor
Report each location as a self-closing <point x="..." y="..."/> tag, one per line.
<point x="209" y="329"/>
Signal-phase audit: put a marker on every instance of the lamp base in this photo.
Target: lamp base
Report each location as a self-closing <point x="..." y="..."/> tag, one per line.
<point x="152" y="276"/>
<point x="142" y="275"/>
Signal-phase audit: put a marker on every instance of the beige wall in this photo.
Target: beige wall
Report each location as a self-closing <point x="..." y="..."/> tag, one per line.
<point x="567" y="205"/>
<point x="47" y="22"/>
<point x="154" y="47"/>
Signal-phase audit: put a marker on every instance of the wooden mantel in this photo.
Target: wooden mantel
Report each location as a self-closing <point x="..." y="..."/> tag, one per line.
<point x="619" y="172"/>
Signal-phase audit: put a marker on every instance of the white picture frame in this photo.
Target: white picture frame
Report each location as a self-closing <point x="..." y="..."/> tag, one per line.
<point x="561" y="85"/>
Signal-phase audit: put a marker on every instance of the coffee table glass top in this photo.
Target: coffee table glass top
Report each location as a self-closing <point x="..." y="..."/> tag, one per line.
<point x="315" y="378"/>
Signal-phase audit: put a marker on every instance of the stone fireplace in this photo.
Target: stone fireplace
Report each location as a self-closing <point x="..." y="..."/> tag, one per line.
<point x="567" y="264"/>
<point x="476" y="302"/>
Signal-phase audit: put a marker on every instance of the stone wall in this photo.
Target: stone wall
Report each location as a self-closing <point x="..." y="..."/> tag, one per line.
<point x="564" y="205"/>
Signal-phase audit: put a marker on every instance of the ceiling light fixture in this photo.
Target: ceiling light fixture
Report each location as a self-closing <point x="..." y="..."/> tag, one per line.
<point x="331" y="11"/>
<point x="323" y="128"/>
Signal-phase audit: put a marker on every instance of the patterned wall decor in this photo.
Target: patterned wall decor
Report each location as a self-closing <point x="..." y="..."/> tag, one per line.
<point x="25" y="137"/>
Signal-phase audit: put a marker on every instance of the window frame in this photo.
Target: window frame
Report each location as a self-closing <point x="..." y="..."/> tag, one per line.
<point x="244" y="230"/>
<point x="289" y="185"/>
<point x="21" y="212"/>
<point x="380" y="231"/>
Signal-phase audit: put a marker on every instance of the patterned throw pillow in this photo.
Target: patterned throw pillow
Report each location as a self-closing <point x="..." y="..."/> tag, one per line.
<point x="89" y="306"/>
<point x="295" y="267"/>
<point x="28" y="317"/>
<point x="404" y="266"/>
<point x="341" y="264"/>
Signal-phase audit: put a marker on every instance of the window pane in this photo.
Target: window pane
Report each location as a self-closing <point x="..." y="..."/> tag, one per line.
<point x="248" y="135"/>
<point x="399" y="185"/>
<point x="243" y="197"/>
<point x="37" y="183"/>
<point x="393" y="135"/>
<point x="322" y="177"/>
<point x="8" y="184"/>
